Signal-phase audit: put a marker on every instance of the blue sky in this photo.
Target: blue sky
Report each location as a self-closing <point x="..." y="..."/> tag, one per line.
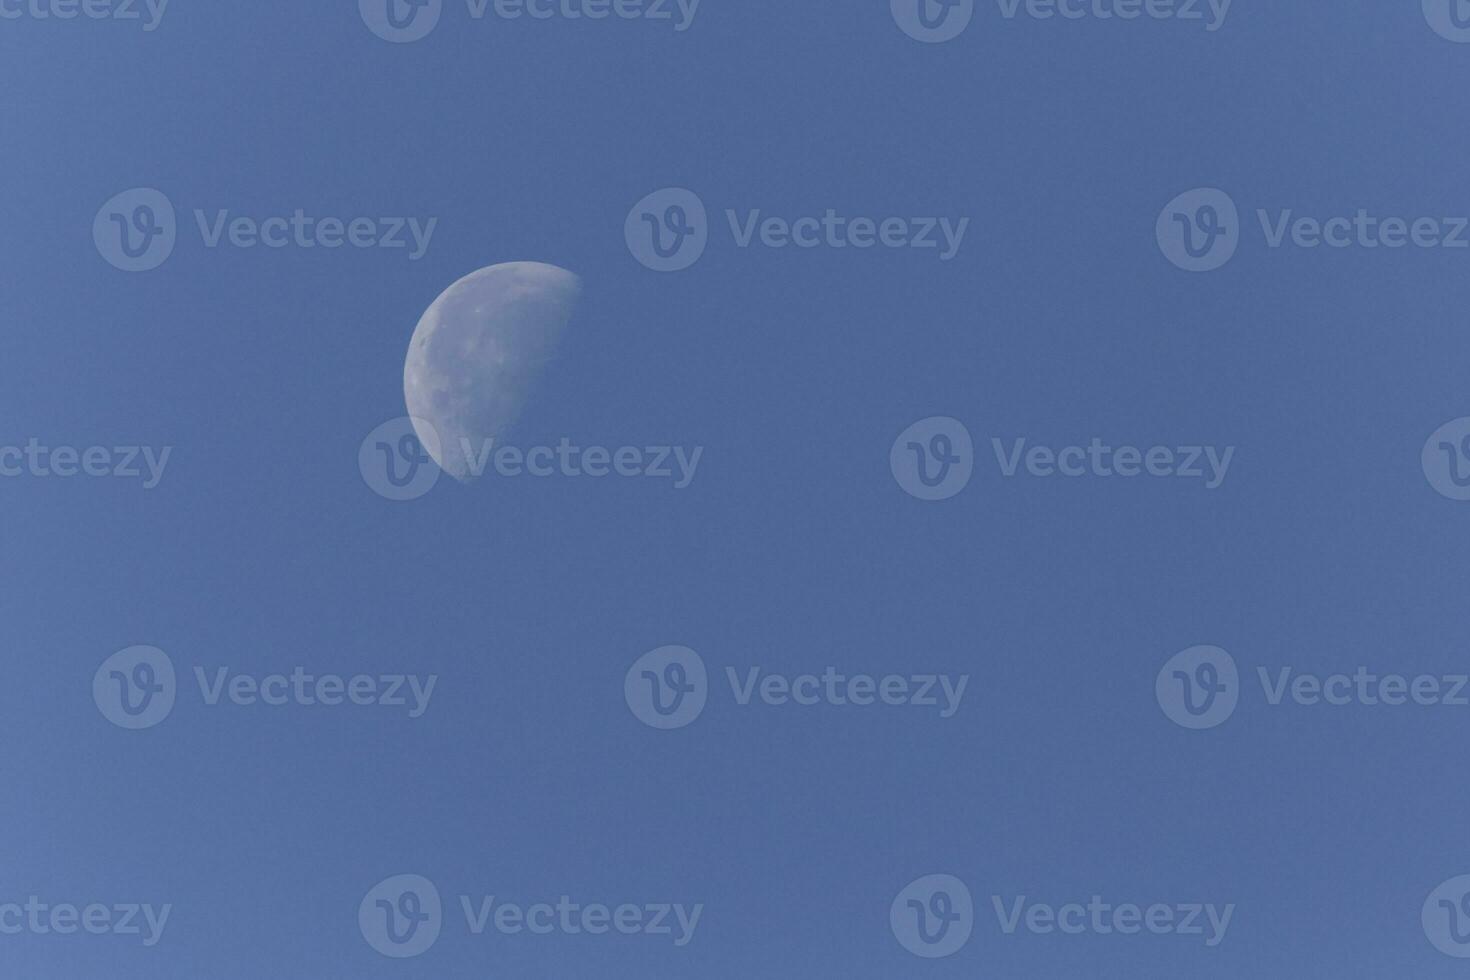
<point x="794" y="549"/>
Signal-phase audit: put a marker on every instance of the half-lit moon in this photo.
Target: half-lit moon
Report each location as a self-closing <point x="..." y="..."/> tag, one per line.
<point x="477" y="352"/>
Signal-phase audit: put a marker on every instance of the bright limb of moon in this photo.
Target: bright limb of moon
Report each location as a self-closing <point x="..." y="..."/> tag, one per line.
<point x="477" y="352"/>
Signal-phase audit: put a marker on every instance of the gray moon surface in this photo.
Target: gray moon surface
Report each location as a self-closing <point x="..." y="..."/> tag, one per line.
<point x="478" y="351"/>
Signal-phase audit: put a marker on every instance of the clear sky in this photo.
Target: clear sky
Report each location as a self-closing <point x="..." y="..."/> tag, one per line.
<point x="793" y="549"/>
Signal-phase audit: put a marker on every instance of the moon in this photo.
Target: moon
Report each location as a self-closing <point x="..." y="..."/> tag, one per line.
<point x="477" y="353"/>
